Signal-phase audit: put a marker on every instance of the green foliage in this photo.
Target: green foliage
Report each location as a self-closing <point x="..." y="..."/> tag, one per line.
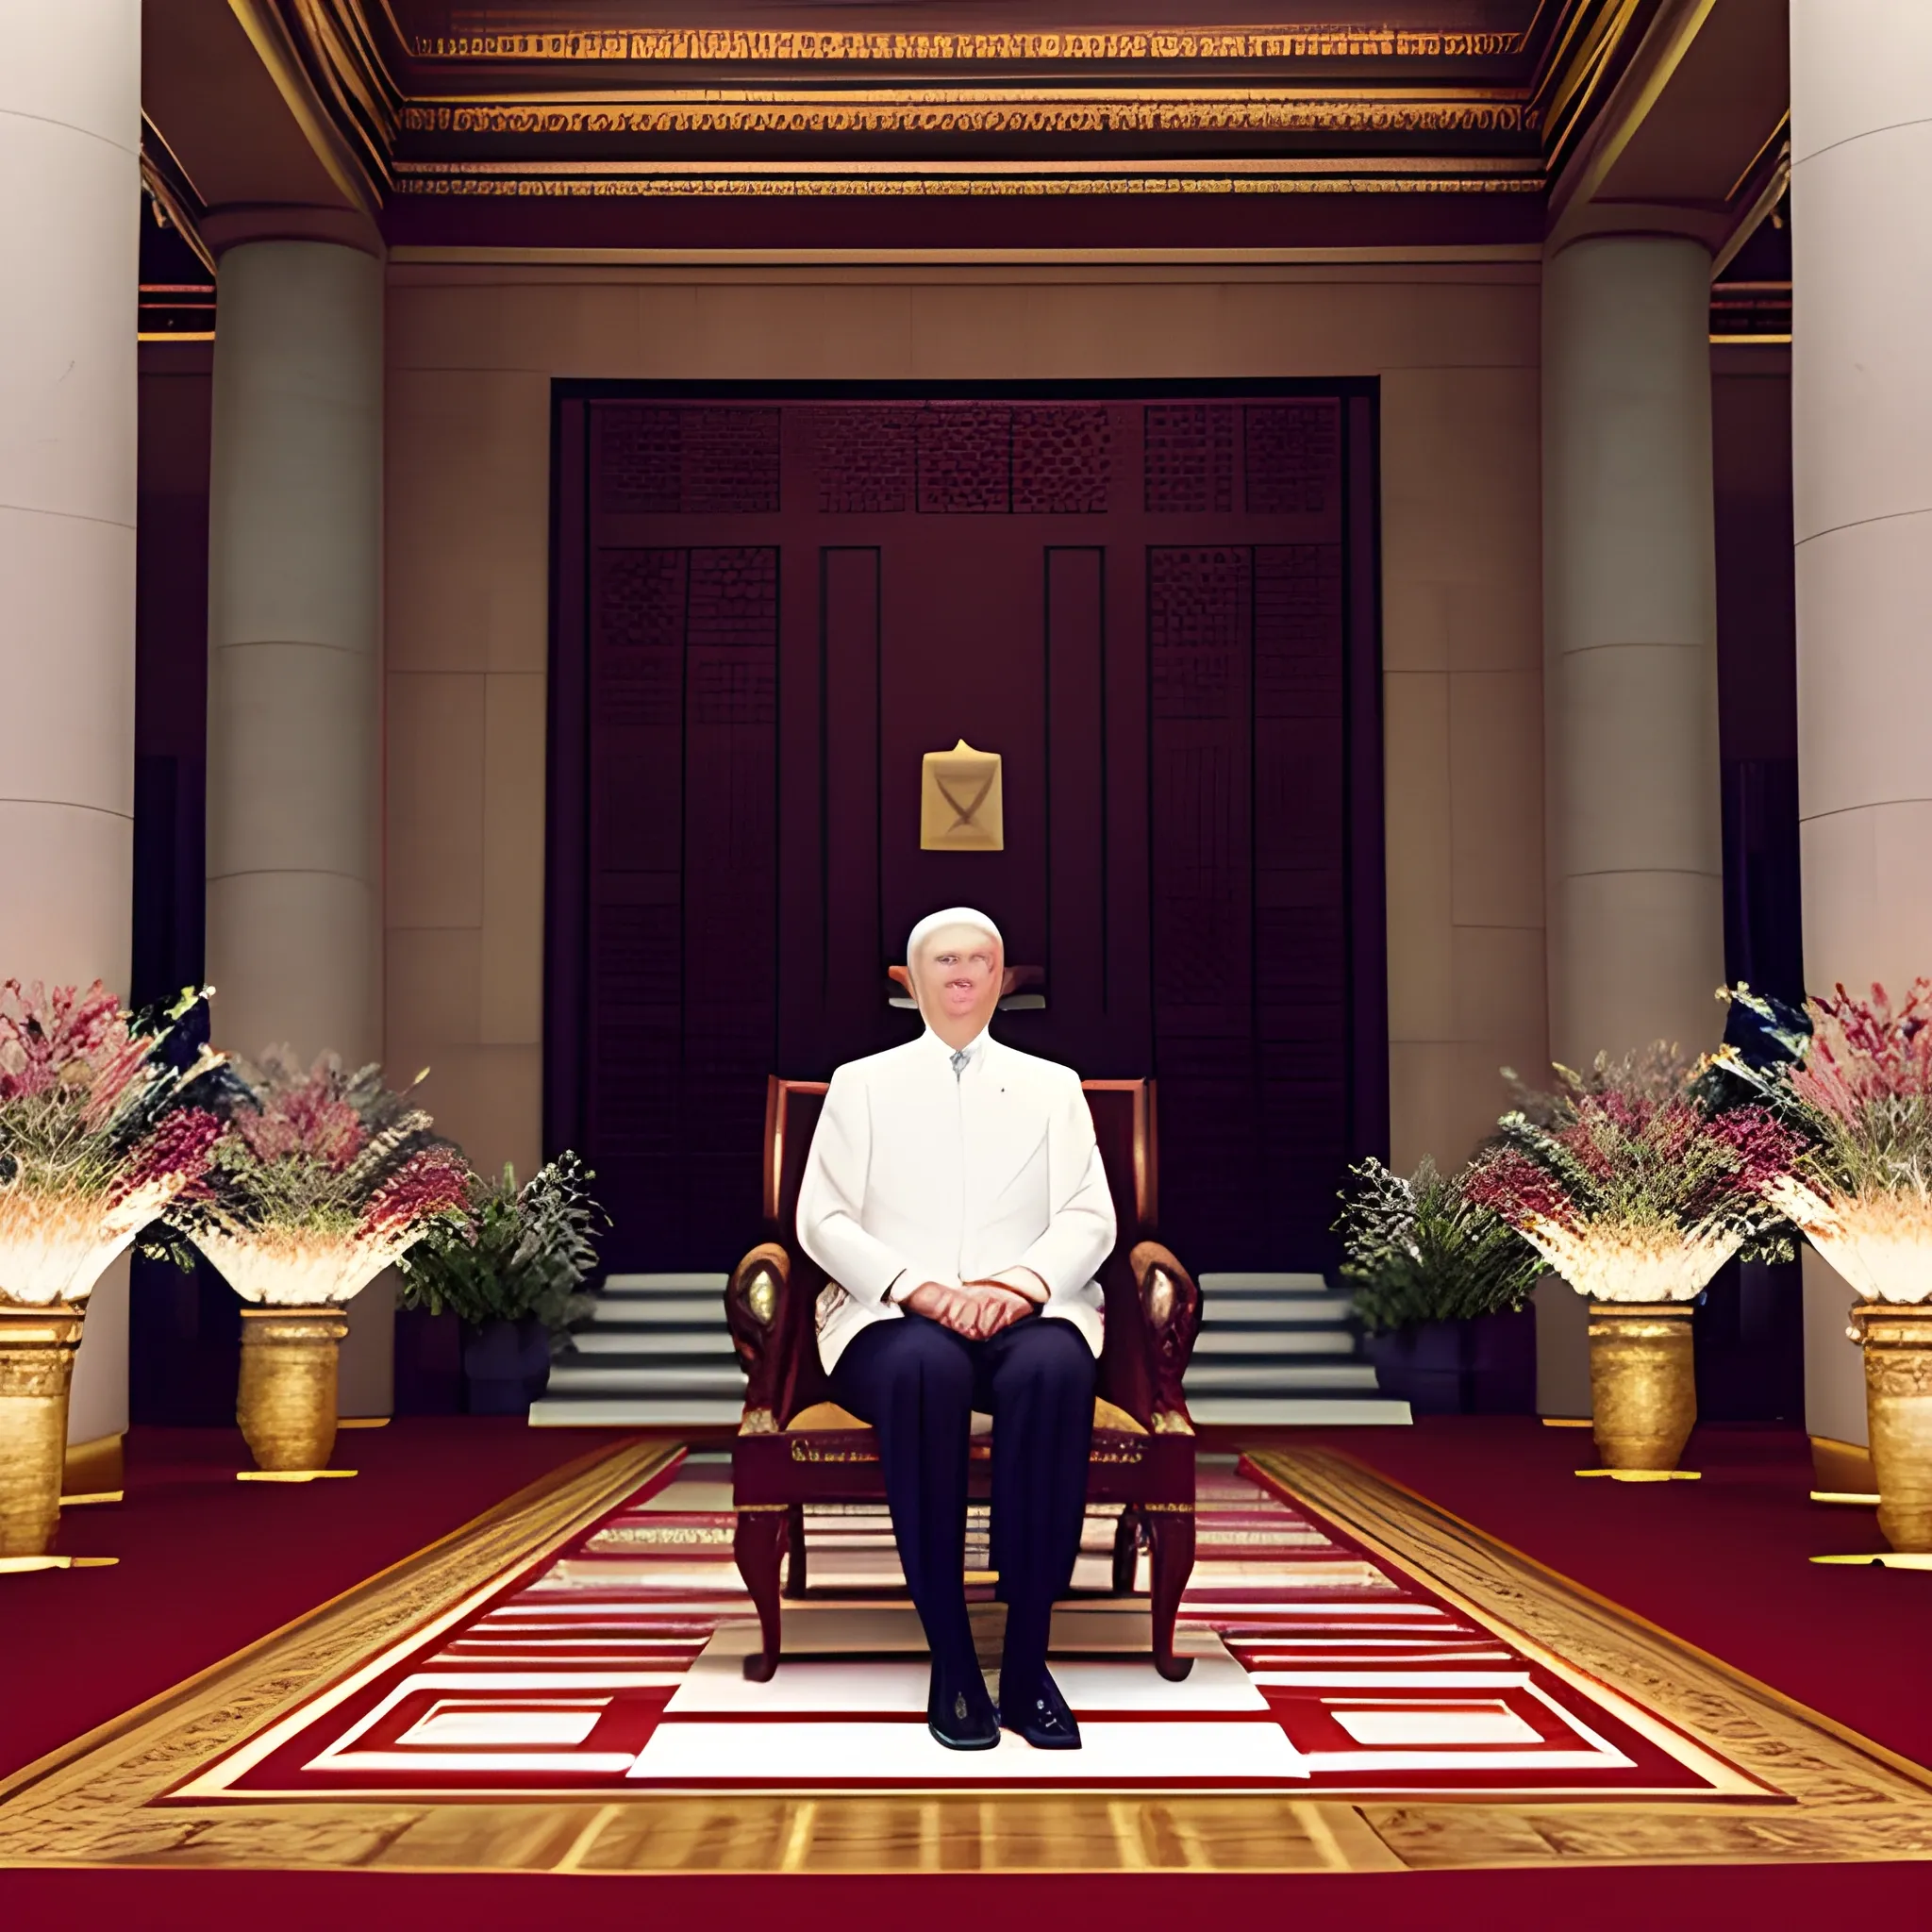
<point x="1417" y="1249"/>
<point x="519" y="1252"/>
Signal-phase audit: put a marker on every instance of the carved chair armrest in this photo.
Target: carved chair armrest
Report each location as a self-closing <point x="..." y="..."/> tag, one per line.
<point x="1170" y="1314"/>
<point x="754" y="1301"/>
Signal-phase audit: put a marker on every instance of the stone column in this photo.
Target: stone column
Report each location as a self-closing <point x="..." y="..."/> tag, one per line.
<point x="70" y="142"/>
<point x="1632" y="797"/>
<point x="1861" y="437"/>
<point x="294" y="797"/>
<point x="1636" y="841"/>
<point x="294" y="807"/>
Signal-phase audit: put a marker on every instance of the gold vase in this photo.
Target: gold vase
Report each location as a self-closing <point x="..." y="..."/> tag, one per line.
<point x="37" y="1350"/>
<point x="287" y="1404"/>
<point x="1898" y="1410"/>
<point x="1642" y="1383"/>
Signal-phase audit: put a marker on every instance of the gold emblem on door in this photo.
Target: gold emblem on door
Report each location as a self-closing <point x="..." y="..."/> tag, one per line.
<point x="960" y="804"/>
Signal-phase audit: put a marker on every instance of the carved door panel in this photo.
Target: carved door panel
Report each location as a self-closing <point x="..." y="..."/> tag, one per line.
<point x="1159" y="611"/>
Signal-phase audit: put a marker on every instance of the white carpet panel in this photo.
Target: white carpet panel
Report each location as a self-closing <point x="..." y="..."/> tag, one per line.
<point x="904" y="1753"/>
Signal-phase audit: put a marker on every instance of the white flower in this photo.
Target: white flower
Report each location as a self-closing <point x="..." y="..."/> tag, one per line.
<point x="55" y="1247"/>
<point x="1631" y="1264"/>
<point x="297" y="1268"/>
<point x="1881" y="1242"/>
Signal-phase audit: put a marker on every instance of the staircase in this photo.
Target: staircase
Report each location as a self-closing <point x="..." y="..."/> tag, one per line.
<point x="1273" y="1349"/>
<point x="1278" y="1348"/>
<point x="655" y="1352"/>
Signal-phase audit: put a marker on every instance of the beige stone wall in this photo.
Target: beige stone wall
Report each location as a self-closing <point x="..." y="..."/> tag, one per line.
<point x="472" y="351"/>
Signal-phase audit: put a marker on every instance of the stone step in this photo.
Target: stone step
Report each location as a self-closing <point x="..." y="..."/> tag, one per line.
<point x="1223" y="1312"/>
<point x="725" y="1380"/>
<point x="1270" y="1342"/>
<point x="632" y="1411"/>
<point x="1308" y="1412"/>
<point x="648" y="1342"/>
<point x="654" y="1310"/>
<point x="1237" y="1378"/>
<point x="697" y="1283"/>
<point x="1238" y="1281"/>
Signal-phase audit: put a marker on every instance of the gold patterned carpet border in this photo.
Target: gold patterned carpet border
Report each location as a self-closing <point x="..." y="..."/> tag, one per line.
<point x="102" y="1800"/>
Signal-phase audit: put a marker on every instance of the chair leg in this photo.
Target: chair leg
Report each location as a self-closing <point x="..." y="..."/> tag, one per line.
<point x="1170" y="1533"/>
<point x="758" y="1545"/>
<point x="1126" y="1547"/>
<point x="794" y="1568"/>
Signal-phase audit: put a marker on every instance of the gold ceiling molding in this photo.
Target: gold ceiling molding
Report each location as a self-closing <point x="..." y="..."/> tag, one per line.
<point x="363" y="101"/>
<point x="458" y="179"/>
<point x="932" y="112"/>
<point x="698" y="45"/>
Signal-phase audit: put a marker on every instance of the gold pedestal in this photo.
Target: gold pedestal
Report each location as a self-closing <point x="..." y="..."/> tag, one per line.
<point x="1642" y="1383"/>
<point x="1898" y="1413"/>
<point x="287" y="1404"/>
<point x="37" y="1350"/>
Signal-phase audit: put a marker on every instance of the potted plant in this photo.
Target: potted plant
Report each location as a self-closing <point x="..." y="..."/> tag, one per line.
<point x="1437" y="1280"/>
<point x="320" y="1178"/>
<point x="509" y="1269"/>
<point x="96" y="1139"/>
<point x="1625" y="1183"/>
<point x="1848" y="1161"/>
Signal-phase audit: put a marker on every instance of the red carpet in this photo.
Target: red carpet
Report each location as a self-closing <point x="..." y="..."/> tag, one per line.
<point x="208" y="1565"/>
<point x="1720" y="1562"/>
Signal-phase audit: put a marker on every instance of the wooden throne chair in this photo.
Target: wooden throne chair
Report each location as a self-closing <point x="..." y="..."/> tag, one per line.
<point x="795" y="1445"/>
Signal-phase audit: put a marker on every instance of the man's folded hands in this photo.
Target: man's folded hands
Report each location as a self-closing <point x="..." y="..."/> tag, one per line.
<point x="975" y="1310"/>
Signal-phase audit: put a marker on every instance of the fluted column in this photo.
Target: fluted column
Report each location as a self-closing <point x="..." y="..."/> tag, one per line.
<point x="295" y="788"/>
<point x="70" y="140"/>
<point x="1861" y="404"/>
<point x="1632" y="799"/>
<point x="294" y="632"/>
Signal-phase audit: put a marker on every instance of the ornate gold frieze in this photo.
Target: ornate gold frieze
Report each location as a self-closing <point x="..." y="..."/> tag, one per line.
<point x="1153" y="44"/>
<point x="455" y="179"/>
<point x="931" y="111"/>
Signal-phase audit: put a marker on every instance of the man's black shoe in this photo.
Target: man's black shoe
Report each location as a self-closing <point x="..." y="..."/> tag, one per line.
<point x="958" y="1712"/>
<point x="1040" y="1717"/>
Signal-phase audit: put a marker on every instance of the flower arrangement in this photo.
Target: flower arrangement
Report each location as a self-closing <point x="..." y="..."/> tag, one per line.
<point x="1844" y="1120"/>
<point x="515" y="1253"/>
<point x="1417" y="1248"/>
<point x="96" y="1139"/>
<point x="1626" y="1183"/>
<point x="320" y="1178"/>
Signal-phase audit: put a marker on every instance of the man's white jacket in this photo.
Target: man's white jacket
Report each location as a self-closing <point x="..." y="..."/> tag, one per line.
<point x="920" y="1173"/>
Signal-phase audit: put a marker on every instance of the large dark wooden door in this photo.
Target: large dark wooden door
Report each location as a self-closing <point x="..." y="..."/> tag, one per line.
<point x="1157" y="608"/>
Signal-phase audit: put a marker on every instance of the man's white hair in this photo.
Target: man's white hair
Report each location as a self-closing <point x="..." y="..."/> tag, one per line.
<point x="952" y="915"/>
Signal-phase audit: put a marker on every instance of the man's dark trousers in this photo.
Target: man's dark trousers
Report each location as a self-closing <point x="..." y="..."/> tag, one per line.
<point x="918" y="1383"/>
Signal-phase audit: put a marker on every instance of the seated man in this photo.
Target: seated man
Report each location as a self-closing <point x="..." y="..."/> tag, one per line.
<point x="954" y="1197"/>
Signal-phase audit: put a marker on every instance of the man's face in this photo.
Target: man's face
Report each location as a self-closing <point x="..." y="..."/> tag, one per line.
<point x="957" y="975"/>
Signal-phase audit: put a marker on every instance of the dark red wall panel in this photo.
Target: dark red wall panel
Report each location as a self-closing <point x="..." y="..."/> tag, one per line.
<point x="771" y="607"/>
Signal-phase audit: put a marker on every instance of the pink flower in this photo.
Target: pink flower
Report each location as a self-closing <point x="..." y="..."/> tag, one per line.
<point x="433" y="1182"/>
<point x="1863" y="1052"/>
<point x="1513" y="1186"/>
<point x="175" y="1153"/>
<point x="311" y="1121"/>
<point x="1766" y="1150"/>
<point x="46" y="1035"/>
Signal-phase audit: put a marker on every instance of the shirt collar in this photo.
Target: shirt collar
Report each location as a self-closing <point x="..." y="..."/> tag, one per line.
<point x="972" y="1049"/>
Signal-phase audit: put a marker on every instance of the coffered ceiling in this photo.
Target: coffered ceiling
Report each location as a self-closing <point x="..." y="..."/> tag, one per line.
<point x="418" y="120"/>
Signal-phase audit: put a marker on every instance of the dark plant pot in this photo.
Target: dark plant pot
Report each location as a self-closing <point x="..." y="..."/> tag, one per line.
<point x="1485" y="1366"/>
<point x="1424" y="1366"/>
<point x="507" y="1365"/>
<point x="1503" y="1363"/>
